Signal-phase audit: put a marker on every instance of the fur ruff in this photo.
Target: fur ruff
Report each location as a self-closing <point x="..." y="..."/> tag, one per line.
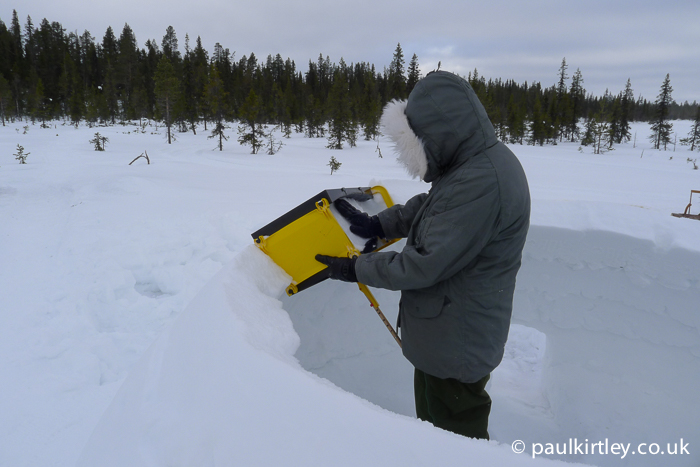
<point x="410" y="149"/>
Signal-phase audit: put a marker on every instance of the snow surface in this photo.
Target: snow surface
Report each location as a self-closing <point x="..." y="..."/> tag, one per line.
<point x="139" y="326"/>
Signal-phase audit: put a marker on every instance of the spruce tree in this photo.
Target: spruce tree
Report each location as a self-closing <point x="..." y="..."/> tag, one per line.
<point x="561" y="86"/>
<point x="291" y="114"/>
<point x="76" y="97"/>
<point x="139" y="101"/>
<point x="109" y="85"/>
<point x="216" y="98"/>
<point x="396" y="81"/>
<point x="16" y="51"/>
<point x="340" y="125"/>
<point x="30" y="43"/>
<point x="660" y="125"/>
<point x="413" y="74"/>
<point x="5" y="96"/>
<point x="597" y="133"/>
<point x="218" y="132"/>
<point x="693" y="139"/>
<point x="37" y="107"/>
<point x="334" y="164"/>
<point x="189" y="105"/>
<point x="167" y="90"/>
<point x="251" y="131"/>
<point x="515" y="121"/>
<point x="169" y="46"/>
<point x="538" y="125"/>
<point x="99" y="142"/>
<point x="315" y="117"/>
<point x="127" y="73"/>
<point x="17" y="65"/>
<point x="149" y="65"/>
<point x="615" y="123"/>
<point x="371" y="107"/>
<point x="20" y="155"/>
<point x="92" y="106"/>
<point x="603" y="136"/>
<point x="272" y="145"/>
<point x="626" y="103"/>
<point x="478" y="84"/>
<point x="577" y="97"/>
<point x="589" y="133"/>
<point x="200" y="64"/>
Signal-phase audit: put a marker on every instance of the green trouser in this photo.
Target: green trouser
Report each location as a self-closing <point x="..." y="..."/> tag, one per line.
<point x="462" y="408"/>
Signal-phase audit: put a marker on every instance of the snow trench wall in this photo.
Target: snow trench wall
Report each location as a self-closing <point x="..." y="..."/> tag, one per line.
<point x="622" y="357"/>
<point x="622" y="322"/>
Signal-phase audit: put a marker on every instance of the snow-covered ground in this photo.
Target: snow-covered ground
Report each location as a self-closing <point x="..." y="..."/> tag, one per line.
<point x="139" y="326"/>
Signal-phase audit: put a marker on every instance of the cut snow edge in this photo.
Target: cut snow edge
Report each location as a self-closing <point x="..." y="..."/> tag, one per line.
<point x="221" y="386"/>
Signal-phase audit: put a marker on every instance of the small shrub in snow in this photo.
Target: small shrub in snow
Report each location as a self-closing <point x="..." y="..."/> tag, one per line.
<point x="20" y="155"/>
<point x="218" y="132"/>
<point x="99" y="142"/>
<point x="273" y="146"/>
<point x="334" y="164"/>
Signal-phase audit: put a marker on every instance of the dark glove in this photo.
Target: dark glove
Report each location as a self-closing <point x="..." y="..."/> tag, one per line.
<point x="361" y="223"/>
<point x="342" y="269"/>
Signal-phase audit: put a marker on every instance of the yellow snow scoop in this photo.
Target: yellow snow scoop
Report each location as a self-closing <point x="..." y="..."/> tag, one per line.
<point x="314" y="227"/>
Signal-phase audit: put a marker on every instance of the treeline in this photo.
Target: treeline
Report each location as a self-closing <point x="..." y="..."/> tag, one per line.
<point x="46" y="74"/>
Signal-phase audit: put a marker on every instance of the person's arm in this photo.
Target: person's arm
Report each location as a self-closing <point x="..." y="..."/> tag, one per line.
<point x="396" y="221"/>
<point x="453" y="231"/>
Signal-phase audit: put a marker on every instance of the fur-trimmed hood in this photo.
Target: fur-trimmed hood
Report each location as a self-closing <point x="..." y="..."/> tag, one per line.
<point x="440" y="125"/>
<point x="406" y="144"/>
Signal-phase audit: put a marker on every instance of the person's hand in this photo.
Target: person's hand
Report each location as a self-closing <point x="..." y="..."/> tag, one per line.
<point x="342" y="269"/>
<point x="361" y="224"/>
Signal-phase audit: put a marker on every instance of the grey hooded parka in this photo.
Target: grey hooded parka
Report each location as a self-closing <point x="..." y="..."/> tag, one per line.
<point x="465" y="236"/>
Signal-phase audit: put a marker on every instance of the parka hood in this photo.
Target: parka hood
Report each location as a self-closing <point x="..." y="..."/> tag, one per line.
<point x="410" y="150"/>
<point x="441" y="124"/>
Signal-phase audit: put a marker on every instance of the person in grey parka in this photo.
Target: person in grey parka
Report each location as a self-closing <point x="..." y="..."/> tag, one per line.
<point x="464" y="245"/>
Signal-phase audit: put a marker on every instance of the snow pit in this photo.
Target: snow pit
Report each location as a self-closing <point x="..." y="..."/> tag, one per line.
<point x="221" y="387"/>
<point x="602" y="323"/>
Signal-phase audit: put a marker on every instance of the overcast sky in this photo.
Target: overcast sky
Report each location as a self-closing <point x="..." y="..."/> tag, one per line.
<point x="608" y="40"/>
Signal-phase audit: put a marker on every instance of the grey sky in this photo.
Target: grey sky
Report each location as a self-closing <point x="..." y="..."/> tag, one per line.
<point x="608" y="40"/>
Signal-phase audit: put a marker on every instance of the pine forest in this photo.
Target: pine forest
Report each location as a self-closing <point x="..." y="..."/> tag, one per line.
<point x="47" y="74"/>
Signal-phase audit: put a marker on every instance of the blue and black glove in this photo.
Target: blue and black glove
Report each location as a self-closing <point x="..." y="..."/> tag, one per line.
<point x="342" y="269"/>
<point x="361" y="224"/>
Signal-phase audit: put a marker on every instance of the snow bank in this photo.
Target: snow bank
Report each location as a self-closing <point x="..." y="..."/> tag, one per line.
<point x="221" y="387"/>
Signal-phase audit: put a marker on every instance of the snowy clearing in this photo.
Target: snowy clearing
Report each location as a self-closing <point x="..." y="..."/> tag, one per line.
<point x="139" y="326"/>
